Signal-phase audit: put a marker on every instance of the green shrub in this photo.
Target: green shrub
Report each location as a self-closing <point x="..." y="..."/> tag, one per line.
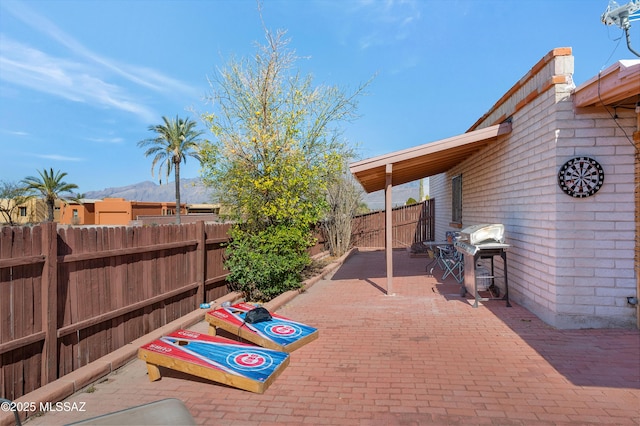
<point x="264" y="264"/>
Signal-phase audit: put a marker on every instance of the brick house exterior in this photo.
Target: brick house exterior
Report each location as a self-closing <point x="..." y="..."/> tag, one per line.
<point x="571" y="260"/>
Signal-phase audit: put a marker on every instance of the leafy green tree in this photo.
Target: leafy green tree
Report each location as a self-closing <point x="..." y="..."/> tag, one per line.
<point x="267" y="262"/>
<point x="277" y="146"/>
<point x="175" y="141"/>
<point x="362" y="208"/>
<point x="12" y="197"/>
<point x="51" y="187"/>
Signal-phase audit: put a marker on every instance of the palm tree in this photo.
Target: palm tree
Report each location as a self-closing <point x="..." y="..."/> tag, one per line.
<point x="51" y="186"/>
<point x="175" y="141"/>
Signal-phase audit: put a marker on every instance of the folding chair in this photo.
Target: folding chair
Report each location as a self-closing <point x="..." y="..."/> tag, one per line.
<point x="451" y="262"/>
<point x="433" y="259"/>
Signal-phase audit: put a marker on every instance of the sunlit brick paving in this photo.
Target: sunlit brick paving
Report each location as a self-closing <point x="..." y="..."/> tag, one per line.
<point x="422" y="356"/>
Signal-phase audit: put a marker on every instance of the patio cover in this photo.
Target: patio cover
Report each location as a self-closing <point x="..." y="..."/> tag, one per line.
<point x="430" y="159"/>
<point x="412" y="164"/>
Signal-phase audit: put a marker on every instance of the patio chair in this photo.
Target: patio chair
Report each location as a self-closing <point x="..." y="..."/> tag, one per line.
<point x="451" y="262"/>
<point x="433" y="259"/>
<point x="436" y="258"/>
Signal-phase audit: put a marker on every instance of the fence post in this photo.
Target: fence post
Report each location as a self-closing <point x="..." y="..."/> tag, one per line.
<point x="432" y="219"/>
<point x="50" y="302"/>
<point x="201" y="253"/>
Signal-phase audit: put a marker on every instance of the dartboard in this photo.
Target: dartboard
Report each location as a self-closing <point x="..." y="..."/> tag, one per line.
<point x="581" y="177"/>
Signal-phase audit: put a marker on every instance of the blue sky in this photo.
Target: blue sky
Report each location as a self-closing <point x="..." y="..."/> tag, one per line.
<point x="82" y="80"/>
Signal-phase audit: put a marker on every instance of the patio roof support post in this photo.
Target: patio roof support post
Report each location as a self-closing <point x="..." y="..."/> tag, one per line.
<point x="388" y="229"/>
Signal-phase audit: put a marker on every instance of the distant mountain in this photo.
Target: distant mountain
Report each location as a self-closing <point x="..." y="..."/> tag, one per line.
<point x="192" y="191"/>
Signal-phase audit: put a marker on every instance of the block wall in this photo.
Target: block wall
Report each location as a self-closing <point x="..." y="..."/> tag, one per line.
<point x="596" y="235"/>
<point x="571" y="261"/>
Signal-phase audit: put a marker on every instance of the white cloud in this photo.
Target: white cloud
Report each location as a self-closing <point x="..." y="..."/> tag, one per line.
<point x="74" y="81"/>
<point x="48" y="28"/>
<point x="14" y="132"/>
<point x="391" y="20"/>
<point x="391" y="28"/>
<point x="88" y="78"/>
<point x="57" y="157"/>
<point x="115" y="140"/>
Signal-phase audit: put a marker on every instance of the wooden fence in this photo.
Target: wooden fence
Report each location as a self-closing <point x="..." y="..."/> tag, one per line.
<point x="411" y="224"/>
<point x="69" y="296"/>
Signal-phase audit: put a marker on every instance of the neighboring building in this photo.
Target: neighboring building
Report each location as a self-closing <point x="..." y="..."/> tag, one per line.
<point x="113" y="211"/>
<point x="118" y="211"/>
<point x="109" y="211"/>
<point x="203" y="208"/>
<point x="79" y="213"/>
<point x="572" y="259"/>
<point x="34" y="210"/>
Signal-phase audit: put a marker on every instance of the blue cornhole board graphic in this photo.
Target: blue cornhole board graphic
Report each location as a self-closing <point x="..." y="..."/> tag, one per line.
<point x="279" y="333"/>
<point x="216" y="358"/>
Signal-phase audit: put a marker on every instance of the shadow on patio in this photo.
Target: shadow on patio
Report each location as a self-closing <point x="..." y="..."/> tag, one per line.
<point x="589" y="357"/>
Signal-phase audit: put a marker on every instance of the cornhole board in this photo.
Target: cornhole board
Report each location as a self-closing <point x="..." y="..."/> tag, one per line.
<point x="215" y="358"/>
<point x="279" y="333"/>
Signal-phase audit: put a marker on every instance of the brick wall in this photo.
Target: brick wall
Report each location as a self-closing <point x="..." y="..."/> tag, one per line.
<point x="570" y="260"/>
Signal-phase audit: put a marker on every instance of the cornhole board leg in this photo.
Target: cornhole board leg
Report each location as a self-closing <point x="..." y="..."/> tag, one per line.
<point x="231" y="319"/>
<point x="243" y="332"/>
<point x="153" y="371"/>
<point x="160" y="353"/>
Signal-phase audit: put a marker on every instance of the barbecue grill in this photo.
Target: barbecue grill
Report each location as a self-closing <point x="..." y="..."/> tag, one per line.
<point x="483" y="241"/>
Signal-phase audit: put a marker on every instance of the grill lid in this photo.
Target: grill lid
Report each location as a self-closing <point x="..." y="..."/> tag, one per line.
<point x="483" y="233"/>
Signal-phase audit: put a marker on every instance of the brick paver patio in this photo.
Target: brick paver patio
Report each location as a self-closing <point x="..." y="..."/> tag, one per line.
<point x="423" y="356"/>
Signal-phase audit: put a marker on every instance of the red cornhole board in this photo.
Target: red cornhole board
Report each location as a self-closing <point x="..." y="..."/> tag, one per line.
<point x="215" y="358"/>
<point x="279" y="333"/>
